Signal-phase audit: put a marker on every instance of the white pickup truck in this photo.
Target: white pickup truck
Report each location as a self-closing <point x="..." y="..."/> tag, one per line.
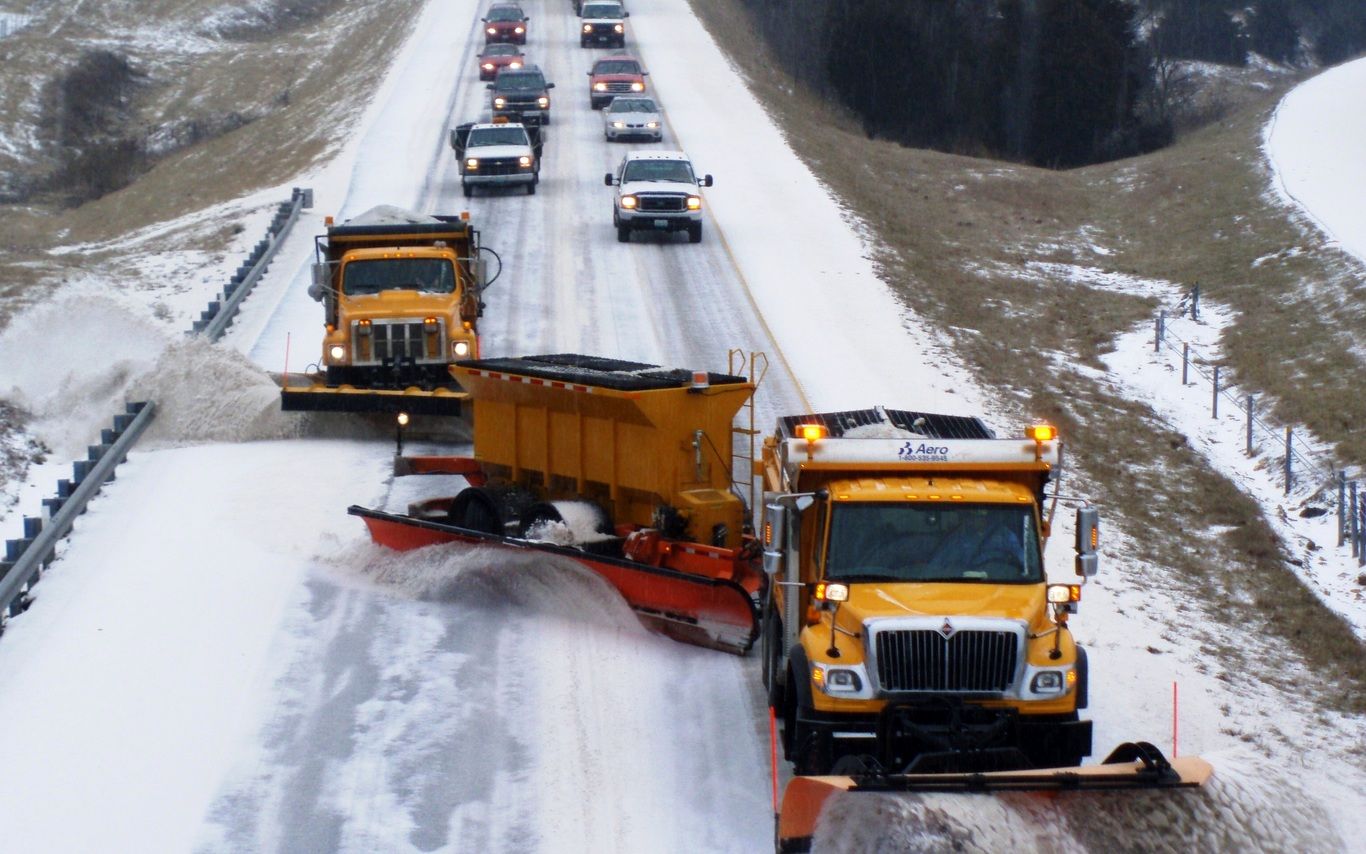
<point x="657" y="191"/>
<point x="497" y="155"/>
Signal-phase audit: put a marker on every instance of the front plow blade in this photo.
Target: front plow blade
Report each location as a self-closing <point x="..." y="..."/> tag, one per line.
<point x="708" y="612"/>
<point x="1131" y="766"/>
<point x="414" y="401"/>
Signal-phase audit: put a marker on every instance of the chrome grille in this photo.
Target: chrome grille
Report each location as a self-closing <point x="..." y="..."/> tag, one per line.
<point x="968" y="661"/>
<point x="662" y="203"/>
<point x="498" y="166"/>
<point x="619" y="87"/>
<point x="398" y="339"/>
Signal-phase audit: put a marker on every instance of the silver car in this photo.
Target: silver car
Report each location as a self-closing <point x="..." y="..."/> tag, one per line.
<point x="632" y="117"/>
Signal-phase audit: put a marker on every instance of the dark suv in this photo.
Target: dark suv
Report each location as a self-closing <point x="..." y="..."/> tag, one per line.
<point x="521" y="95"/>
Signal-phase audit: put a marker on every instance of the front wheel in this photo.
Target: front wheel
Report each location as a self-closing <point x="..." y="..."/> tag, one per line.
<point x="623" y="234"/>
<point x="695" y="232"/>
<point x="531" y="189"/>
<point x="467" y="190"/>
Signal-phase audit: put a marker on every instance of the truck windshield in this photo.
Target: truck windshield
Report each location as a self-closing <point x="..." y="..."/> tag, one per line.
<point x="602" y="10"/>
<point x="617" y="66"/>
<point x="677" y="171"/>
<point x="366" y="278"/>
<point x="934" y="542"/>
<point x="497" y="136"/>
<point x="519" y="82"/>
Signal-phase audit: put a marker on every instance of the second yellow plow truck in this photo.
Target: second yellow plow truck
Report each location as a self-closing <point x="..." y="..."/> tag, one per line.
<point x="910" y="638"/>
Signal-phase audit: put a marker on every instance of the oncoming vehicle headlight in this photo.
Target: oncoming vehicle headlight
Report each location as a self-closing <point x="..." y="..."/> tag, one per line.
<point x="1047" y="682"/>
<point x="588" y="28"/>
<point x="524" y="161"/>
<point x="637" y="87"/>
<point x="500" y="102"/>
<point x="488" y="66"/>
<point x="519" y="30"/>
<point x="599" y="87"/>
<point x="460" y="349"/>
<point x="619" y="28"/>
<point x="652" y="125"/>
<point x="694" y="203"/>
<point x="472" y="163"/>
<point x="543" y="102"/>
<point x="618" y="124"/>
<point x="493" y="31"/>
<point x="514" y="64"/>
<point x="628" y="202"/>
<point x="337" y="352"/>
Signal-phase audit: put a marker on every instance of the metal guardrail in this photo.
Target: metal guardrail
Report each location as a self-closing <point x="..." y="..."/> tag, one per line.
<point x="215" y="320"/>
<point x="26" y="558"/>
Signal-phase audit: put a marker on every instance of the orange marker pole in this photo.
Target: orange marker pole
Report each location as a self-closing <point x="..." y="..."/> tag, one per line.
<point x="1174" y="718"/>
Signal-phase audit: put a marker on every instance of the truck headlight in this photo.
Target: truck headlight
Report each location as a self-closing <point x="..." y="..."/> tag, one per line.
<point x="628" y="202"/>
<point x="500" y="102"/>
<point x="514" y="64"/>
<point x="620" y="28"/>
<point x="519" y="30"/>
<point x="493" y="31"/>
<point x="337" y="352"/>
<point x="524" y="161"/>
<point x="460" y="349"/>
<point x="472" y="163"/>
<point x="488" y="66"/>
<point x="694" y="203"/>
<point x="588" y="28"/>
<point x="618" y="124"/>
<point x="637" y="87"/>
<point x="543" y="102"/>
<point x="1047" y="682"/>
<point x="842" y="681"/>
<point x="599" y="87"/>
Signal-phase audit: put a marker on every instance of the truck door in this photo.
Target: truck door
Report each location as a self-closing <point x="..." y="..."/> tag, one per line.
<point x="459" y="137"/>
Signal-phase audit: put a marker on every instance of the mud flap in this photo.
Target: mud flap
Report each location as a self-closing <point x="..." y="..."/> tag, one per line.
<point x="708" y="612"/>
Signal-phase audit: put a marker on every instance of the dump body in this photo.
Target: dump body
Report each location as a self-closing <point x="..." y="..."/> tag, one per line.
<point x="400" y="294"/>
<point x="623" y="466"/>
<point x="937" y="638"/>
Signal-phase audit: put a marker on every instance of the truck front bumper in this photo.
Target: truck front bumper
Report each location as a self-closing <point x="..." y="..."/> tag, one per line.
<point x="647" y="221"/>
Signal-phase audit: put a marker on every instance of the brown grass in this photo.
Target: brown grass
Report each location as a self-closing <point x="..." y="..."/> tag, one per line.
<point x="952" y="230"/>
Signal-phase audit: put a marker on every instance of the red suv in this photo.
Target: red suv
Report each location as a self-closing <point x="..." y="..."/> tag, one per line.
<point x="506" y="22"/>
<point x="499" y="55"/>
<point x="612" y="76"/>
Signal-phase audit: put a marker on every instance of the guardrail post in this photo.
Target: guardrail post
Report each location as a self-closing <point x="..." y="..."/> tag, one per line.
<point x="1185" y="362"/>
<point x="1215" y="412"/>
<point x="1157" y="336"/>
<point x="1289" y="454"/>
<point x="1249" y="425"/>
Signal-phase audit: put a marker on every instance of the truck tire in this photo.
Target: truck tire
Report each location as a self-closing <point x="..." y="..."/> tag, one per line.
<point x="490" y="509"/>
<point x="773" y="656"/>
<point x="531" y="189"/>
<point x="695" y="232"/>
<point x="623" y="234"/>
<point x="466" y="189"/>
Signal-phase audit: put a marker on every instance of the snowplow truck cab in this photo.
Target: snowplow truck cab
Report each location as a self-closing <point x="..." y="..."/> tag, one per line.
<point x="911" y="626"/>
<point x="400" y="292"/>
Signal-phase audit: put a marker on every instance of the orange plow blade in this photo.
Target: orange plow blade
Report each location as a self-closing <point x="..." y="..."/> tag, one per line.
<point x="1131" y="766"/>
<point x="709" y="612"/>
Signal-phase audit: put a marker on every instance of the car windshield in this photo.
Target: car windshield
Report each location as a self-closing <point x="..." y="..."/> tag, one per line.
<point x="500" y="49"/>
<point x="519" y="82"/>
<point x="366" y="278"/>
<point x="505" y="13"/>
<point x="659" y="170"/>
<point x="632" y="105"/>
<point x="496" y="136"/>
<point x="602" y="10"/>
<point x="617" y="66"/>
<point x="932" y="542"/>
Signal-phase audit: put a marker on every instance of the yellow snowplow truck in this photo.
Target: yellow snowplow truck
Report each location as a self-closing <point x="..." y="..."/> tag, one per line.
<point x="401" y="299"/>
<point x="911" y="627"/>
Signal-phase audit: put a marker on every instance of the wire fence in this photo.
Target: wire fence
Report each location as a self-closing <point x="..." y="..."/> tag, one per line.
<point x="1302" y="464"/>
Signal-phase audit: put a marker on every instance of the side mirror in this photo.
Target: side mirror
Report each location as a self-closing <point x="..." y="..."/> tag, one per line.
<point x="550" y="85"/>
<point x="1088" y="541"/>
<point x="706" y="181"/>
<point x="607" y="179"/>
<point x="455" y="140"/>
<point x="321" y="282"/>
<point x="774" y="537"/>
<point x="626" y="14"/>
<point x="488" y="85"/>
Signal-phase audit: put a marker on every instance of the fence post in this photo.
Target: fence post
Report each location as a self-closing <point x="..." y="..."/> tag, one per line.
<point x="1249" y="428"/>
<point x="1289" y="454"/>
<point x="1215" y="412"/>
<point x="1195" y="302"/>
<point x="1157" y="337"/>
<point x="1185" y="361"/>
<point x="1356" y="544"/>
<point x="1361" y="533"/>
<point x="1342" y="506"/>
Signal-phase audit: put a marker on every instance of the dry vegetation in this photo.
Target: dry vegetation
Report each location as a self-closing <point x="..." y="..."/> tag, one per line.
<point x="955" y="232"/>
